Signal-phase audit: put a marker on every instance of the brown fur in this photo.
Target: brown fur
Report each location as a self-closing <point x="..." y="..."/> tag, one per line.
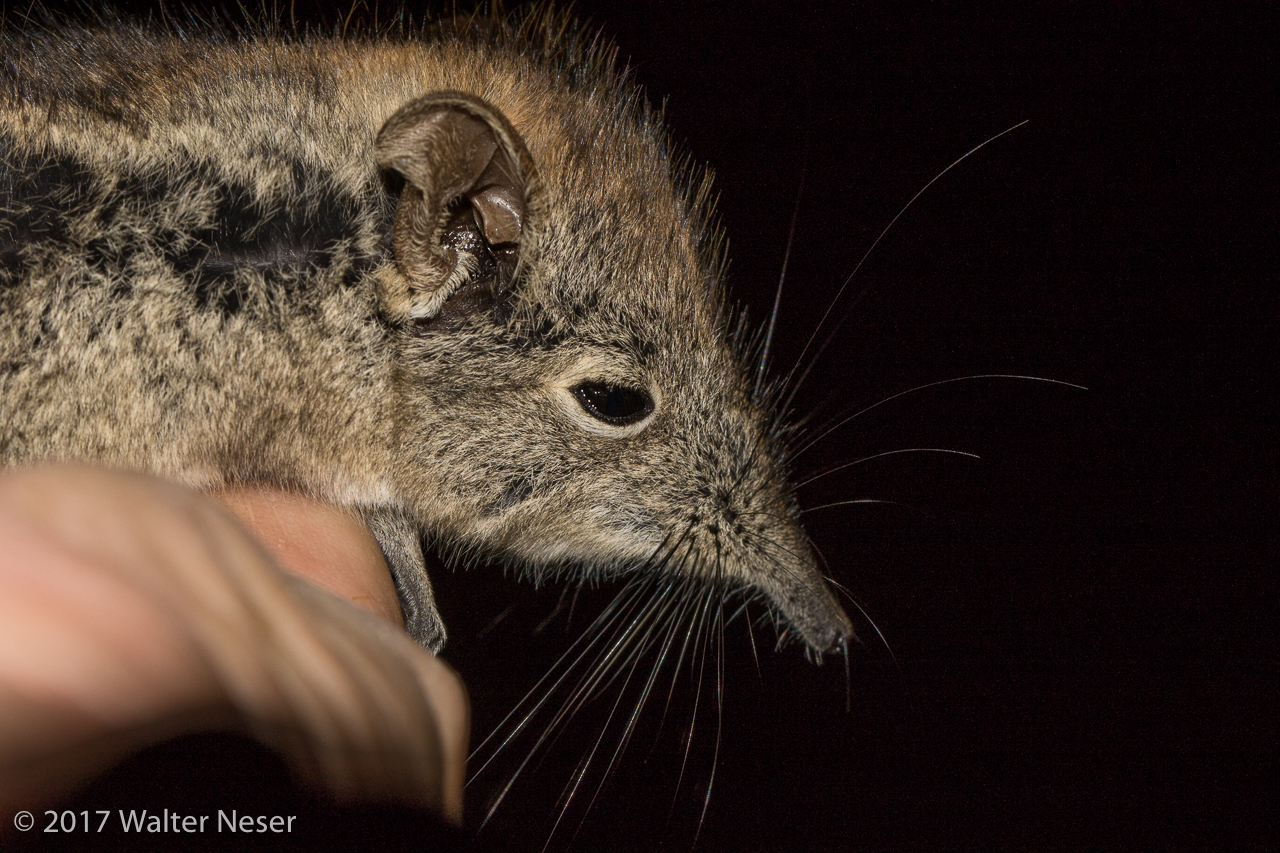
<point x="197" y="280"/>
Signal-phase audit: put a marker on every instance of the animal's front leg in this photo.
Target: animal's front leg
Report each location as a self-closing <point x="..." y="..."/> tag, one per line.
<point x="402" y="546"/>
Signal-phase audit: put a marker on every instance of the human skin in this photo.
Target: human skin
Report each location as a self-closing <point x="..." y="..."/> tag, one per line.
<point x="133" y="610"/>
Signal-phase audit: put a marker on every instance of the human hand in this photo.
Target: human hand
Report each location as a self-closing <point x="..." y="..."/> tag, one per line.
<point x="133" y="610"/>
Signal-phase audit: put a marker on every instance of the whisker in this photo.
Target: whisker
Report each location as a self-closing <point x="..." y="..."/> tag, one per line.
<point x="637" y="646"/>
<point x="830" y="471"/>
<point x="826" y="432"/>
<point x="688" y="607"/>
<point x="566" y="793"/>
<point x="697" y="699"/>
<point x="629" y="728"/>
<point x="689" y="635"/>
<point x="641" y="701"/>
<point x="587" y="763"/>
<point x="494" y="622"/>
<point x="613" y="612"/>
<point x="625" y="649"/>
<point x="524" y="722"/>
<point x="763" y="367"/>
<point x="885" y="642"/>
<point x="715" y="755"/>
<point x="864" y="501"/>
<point x="555" y="612"/>
<point x="629" y="615"/>
<point x="795" y="387"/>
<point x="848" y="696"/>
<point x="589" y="686"/>
<point x="752" y="635"/>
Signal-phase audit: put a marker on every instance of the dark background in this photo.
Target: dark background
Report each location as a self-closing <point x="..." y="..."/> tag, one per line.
<point x="1080" y="622"/>
<point x="1077" y="628"/>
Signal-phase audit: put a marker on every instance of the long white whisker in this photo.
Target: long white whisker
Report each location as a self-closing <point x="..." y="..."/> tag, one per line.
<point x="614" y="612"/>
<point x="525" y="722"/>
<point x="626" y="648"/>
<point x="755" y="656"/>
<point x="854" y="501"/>
<point x="697" y="697"/>
<point x="590" y="756"/>
<point x="632" y="643"/>
<point x="883" y="640"/>
<point x="830" y="471"/>
<point x="811" y="442"/>
<point x="690" y="635"/>
<point x="763" y="366"/>
<point x="622" y="644"/>
<point x="629" y="728"/>
<point x="795" y="387"/>
<point x="715" y="755"/>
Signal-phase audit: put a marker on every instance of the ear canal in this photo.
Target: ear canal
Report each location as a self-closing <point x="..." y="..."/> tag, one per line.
<point x="449" y="146"/>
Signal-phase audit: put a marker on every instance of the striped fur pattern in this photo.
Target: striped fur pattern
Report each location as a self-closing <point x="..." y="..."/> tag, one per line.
<point x="197" y="279"/>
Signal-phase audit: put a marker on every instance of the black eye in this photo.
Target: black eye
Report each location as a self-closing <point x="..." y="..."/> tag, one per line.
<point x="613" y="404"/>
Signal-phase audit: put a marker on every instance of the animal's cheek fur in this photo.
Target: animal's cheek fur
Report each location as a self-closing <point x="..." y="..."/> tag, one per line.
<point x="515" y="477"/>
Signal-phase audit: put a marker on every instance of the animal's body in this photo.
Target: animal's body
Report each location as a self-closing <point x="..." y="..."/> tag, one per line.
<point x="456" y="283"/>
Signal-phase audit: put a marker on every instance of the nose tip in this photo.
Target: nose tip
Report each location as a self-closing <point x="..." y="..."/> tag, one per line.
<point x="837" y="642"/>
<point x="833" y="636"/>
<point x="836" y="632"/>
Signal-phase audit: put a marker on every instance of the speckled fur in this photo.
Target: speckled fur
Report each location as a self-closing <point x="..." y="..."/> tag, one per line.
<point x="193" y="255"/>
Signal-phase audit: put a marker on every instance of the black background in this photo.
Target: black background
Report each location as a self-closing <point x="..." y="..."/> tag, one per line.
<point x="1077" y="626"/>
<point x="1080" y="620"/>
